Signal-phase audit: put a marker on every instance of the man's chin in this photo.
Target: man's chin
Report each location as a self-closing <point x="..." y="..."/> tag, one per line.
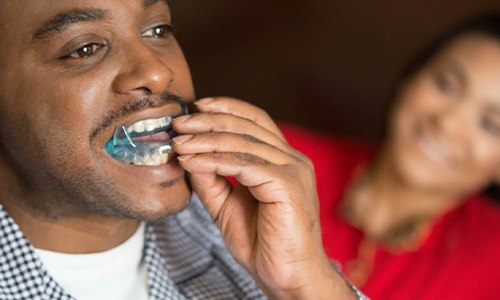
<point x="150" y="203"/>
<point x="168" y="198"/>
<point x="158" y="214"/>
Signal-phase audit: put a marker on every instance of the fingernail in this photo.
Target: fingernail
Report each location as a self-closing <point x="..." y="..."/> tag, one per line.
<point x="204" y="101"/>
<point x="185" y="157"/>
<point x="182" y="118"/>
<point x="179" y="140"/>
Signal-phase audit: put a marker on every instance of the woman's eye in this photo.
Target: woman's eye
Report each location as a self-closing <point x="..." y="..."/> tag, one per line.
<point x="85" y="51"/>
<point x="158" y="31"/>
<point x="490" y="126"/>
<point x="446" y="85"/>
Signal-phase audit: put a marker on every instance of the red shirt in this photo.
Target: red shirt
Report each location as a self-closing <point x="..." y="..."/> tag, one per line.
<point x="460" y="259"/>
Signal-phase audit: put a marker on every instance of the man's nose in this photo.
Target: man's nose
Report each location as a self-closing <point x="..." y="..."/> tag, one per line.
<point x="143" y="72"/>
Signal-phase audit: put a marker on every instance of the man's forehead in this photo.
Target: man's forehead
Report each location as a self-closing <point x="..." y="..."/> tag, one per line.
<point x="18" y="6"/>
<point x="34" y="14"/>
<point x="10" y="2"/>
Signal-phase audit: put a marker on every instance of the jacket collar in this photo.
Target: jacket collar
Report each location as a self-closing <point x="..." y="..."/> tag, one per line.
<point x="175" y="250"/>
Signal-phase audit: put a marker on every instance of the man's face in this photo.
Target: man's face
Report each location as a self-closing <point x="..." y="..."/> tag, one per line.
<point x="71" y="71"/>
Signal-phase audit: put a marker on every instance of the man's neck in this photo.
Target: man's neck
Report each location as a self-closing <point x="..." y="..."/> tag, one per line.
<point x="90" y="234"/>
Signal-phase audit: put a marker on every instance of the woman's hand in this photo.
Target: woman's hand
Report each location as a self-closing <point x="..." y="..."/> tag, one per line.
<point x="269" y="220"/>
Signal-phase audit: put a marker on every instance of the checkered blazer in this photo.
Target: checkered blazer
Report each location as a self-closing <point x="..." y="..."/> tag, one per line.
<point x="184" y="254"/>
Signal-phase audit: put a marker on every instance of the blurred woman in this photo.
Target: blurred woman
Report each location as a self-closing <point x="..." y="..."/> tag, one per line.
<point x="409" y="219"/>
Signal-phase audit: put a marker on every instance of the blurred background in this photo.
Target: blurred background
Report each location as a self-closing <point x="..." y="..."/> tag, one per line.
<point x="327" y="65"/>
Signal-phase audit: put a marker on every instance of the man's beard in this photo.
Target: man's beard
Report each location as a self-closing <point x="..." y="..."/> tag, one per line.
<point x="88" y="194"/>
<point x="56" y="185"/>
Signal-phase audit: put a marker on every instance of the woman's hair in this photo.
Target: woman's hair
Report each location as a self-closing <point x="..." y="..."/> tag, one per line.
<point x="488" y="25"/>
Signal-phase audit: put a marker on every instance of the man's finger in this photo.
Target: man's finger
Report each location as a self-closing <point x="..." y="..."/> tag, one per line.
<point x="259" y="175"/>
<point x="230" y="142"/>
<point x="213" y="190"/>
<point x="223" y="122"/>
<point x="241" y="109"/>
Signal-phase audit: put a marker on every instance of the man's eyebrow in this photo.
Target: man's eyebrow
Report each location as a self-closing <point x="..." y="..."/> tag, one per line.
<point x="62" y="21"/>
<point x="147" y="3"/>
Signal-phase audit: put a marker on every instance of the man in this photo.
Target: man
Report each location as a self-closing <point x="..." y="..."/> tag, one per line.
<point x="74" y="216"/>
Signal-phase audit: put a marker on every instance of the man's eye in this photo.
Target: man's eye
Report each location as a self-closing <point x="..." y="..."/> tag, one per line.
<point x="158" y="31"/>
<point x="85" y="51"/>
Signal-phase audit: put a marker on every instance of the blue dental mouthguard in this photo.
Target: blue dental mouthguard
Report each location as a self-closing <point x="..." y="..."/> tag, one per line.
<point x="124" y="148"/>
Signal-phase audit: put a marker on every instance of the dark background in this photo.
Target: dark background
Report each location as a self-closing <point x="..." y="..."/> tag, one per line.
<point x="325" y="64"/>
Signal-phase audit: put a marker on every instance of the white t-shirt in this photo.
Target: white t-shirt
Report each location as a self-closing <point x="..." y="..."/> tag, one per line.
<point x="118" y="274"/>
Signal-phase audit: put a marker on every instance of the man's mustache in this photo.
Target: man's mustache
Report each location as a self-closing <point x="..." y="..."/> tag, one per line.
<point x="134" y="106"/>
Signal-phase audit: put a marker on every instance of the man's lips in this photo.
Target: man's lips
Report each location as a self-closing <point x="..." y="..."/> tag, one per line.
<point x="144" y="137"/>
<point x="143" y="120"/>
<point x="143" y="143"/>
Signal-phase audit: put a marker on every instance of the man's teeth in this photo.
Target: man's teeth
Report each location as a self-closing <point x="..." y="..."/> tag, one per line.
<point x="156" y="160"/>
<point x="149" y="125"/>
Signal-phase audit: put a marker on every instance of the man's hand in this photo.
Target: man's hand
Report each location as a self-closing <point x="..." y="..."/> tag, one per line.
<point x="269" y="220"/>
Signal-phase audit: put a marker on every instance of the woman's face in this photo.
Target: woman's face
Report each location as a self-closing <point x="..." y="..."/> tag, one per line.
<point x="445" y="128"/>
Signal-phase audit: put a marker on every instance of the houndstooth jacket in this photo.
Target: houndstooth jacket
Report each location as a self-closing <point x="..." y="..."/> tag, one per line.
<point x="184" y="254"/>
